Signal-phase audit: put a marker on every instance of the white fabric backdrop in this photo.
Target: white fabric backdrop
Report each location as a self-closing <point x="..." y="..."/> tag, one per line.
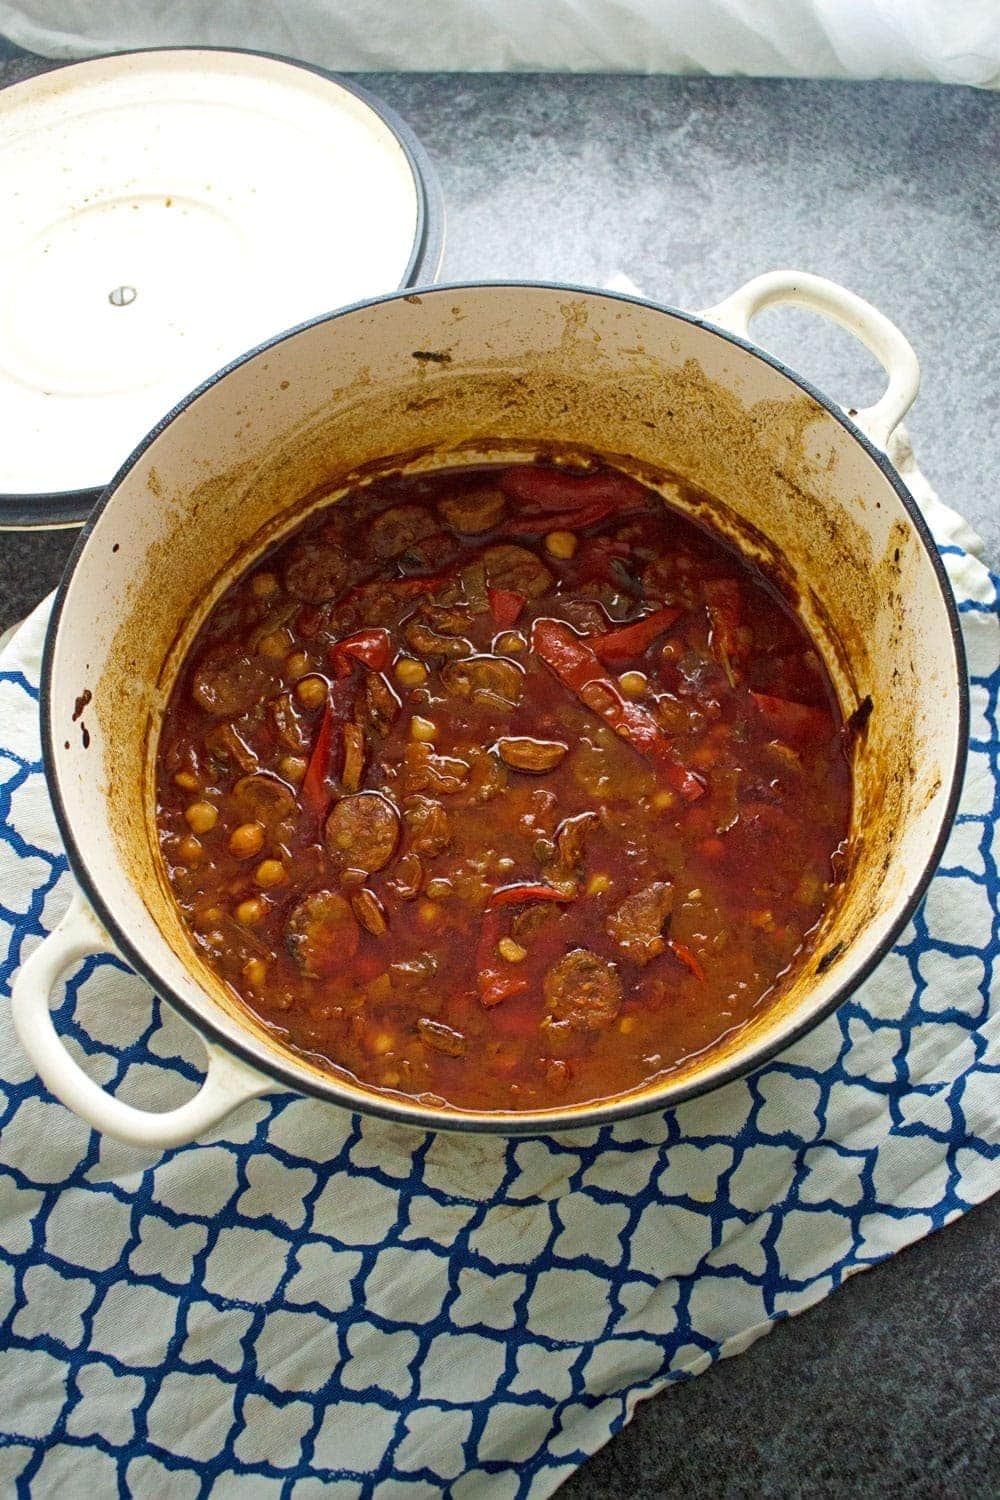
<point x="952" y="41"/>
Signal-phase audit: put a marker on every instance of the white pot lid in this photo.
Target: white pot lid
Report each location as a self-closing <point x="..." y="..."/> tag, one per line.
<point x="164" y="212"/>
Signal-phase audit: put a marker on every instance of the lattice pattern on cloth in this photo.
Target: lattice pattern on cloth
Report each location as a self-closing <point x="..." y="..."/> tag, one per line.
<point x="308" y="1303"/>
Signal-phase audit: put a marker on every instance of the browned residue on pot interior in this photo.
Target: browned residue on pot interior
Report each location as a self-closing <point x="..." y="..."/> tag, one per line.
<point x="770" y="468"/>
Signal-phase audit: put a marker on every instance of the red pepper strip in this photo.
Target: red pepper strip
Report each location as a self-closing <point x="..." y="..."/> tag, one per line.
<point x="794" y="722"/>
<point x="576" y="665"/>
<point x="505" y="606"/>
<point x="683" y="954"/>
<point x="512" y="895"/>
<point x="722" y="595"/>
<point x="372" y="648"/>
<point x="632" y="640"/>
<point x="560" y="489"/>
<point x="563" y="520"/>
<point x="406" y="588"/>
<point x="316" y="782"/>
<point x="494" y="984"/>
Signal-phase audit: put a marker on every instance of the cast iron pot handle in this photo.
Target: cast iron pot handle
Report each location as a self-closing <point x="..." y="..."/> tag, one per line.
<point x="228" y="1081"/>
<point x="893" y="351"/>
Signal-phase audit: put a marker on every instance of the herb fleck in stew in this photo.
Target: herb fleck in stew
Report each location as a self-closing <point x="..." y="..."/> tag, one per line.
<point x="508" y="787"/>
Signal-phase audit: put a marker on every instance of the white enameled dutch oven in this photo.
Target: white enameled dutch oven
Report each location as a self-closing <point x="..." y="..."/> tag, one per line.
<point x="450" y="376"/>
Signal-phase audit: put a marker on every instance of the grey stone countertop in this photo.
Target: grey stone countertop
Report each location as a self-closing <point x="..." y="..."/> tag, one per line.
<point x="690" y="187"/>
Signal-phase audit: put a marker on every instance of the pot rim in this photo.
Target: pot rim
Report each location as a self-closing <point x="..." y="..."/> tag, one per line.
<point x="59" y="510"/>
<point x="542" y="1122"/>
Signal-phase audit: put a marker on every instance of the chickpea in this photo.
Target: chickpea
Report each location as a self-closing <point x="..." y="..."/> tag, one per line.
<point x="422" y="730"/>
<point x="189" y="850"/>
<point x="255" y="972"/>
<point x="187" y="780"/>
<point x="274" y="643"/>
<point x="270" y="872"/>
<point x="251" y="911"/>
<point x="410" y="673"/>
<point x="510" y="642"/>
<point x="633" y="684"/>
<point x="312" y="692"/>
<point x="246" y="840"/>
<point x="264" y="585"/>
<point x="201" y="817"/>
<point x="293" y="768"/>
<point x="207" y="918"/>
<point x="296" y="665"/>
<point x="561" y="544"/>
<point x="511" y="952"/>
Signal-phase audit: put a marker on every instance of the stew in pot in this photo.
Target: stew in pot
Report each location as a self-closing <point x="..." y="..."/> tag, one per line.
<point x="505" y="788"/>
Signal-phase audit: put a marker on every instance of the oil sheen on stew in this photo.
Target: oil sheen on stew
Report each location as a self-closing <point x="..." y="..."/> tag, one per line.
<point x="506" y="788"/>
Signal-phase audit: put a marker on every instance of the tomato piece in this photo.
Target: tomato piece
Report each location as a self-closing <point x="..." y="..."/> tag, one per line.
<point x="683" y="954"/>
<point x="372" y="648"/>
<point x="505" y="606"/>
<point x="632" y="640"/>
<point x="793" y="722"/>
<point x="575" y="663"/>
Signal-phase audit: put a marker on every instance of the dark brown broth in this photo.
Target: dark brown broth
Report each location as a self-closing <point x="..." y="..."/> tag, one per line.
<point x="723" y="817"/>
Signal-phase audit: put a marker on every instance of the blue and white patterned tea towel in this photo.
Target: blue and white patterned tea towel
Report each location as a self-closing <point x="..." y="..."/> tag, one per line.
<point x="310" y="1304"/>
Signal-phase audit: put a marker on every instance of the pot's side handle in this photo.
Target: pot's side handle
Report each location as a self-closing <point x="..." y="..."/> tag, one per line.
<point x="889" y="346"/>
<point x="228" y="1082"/>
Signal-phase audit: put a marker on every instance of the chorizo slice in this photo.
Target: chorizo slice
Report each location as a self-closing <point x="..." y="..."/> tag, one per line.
<point x="362" y="832"/>
<point x="425" y="641"/>
<point x="432" y="554"/>
<point x="227" y="685"/>
<point x="511" y="567"/>
<point x="637" y="925"/>
<point x="321" y="934"/>
<point x="316" y="572"/>
<point x="399" y="527"/>
<point x="493" y="681"/>
<point x="583" y="990"/>
<point x="475" y="512"/>
<point x="523" y="753"/>
<point x="263" y="798"/>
